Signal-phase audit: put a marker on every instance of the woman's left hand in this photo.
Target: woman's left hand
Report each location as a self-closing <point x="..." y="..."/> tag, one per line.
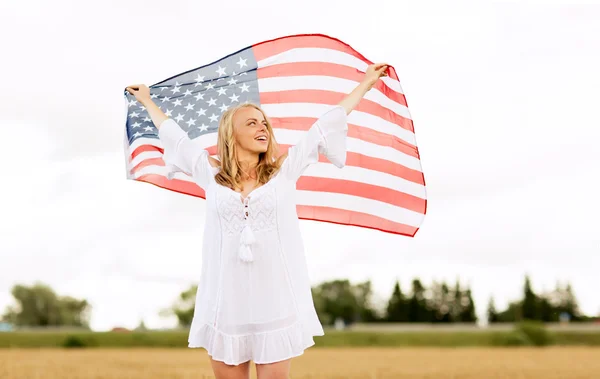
<point x="374" y="72"/>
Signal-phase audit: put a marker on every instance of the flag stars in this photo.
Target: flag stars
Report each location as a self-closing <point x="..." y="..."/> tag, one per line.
<point x="203" y="127"/>
<point x="210" y="86"/>
<point x="199" y="79"/>
<point x="134" y="115"/>
<point x="154" y="96"/>
<point x="232" y="81"/>
<point x="242" y="62"/>
<point x="221" y="71"/>
<point x="189" y="107"/>
<point x="175" y="89"/>
<point x="190" y="122"/>
<point x="187" y="92"/>
<point x="179" y="117"/>
<point x="245" y="88"/>
<point x="148" y="128"/>
<point x="136" y="125"/>
<point x="201" y="112"/>
<point x="222" y="91"/>
<point x="212" y="101"/>
<point x="199" y="96"/>
<point x="168" y="112"/>
<point x="177" y="102"/>
<point x="213" y="118"/>
<point x="132" y="102"/>
<point x="223" y="108"/>
<point x="234" y="98"/>
<point x="166" y="98"/>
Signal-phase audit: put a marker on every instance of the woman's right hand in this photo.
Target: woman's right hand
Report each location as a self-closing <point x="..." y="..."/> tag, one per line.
<point x="140" y="91"/>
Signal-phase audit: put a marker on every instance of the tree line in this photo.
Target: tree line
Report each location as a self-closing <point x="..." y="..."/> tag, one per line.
<point x="39" y="305"/>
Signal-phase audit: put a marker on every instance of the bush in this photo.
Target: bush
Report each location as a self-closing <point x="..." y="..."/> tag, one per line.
<point x="73" y="341"/>
<point x="516" y="338"/>
<point x="535" y="331"/>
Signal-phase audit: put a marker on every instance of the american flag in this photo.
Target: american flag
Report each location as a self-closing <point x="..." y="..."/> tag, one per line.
<point x="295" y="79"/>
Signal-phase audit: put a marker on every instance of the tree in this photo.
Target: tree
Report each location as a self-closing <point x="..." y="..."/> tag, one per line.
<point x="417" y="307"/>
<point x="397" y="309"/>
<point x="467" y="313"/>
<point x="336" y="300"/>
<point x="512" y="313"/>
<point x="492" y="314"/>
<point x="363" y="293"/>
<point x="439" y="303"/>
<point x="39" y="305"/>
<point x="183" y="308"/>
<point x="530" y="302"/>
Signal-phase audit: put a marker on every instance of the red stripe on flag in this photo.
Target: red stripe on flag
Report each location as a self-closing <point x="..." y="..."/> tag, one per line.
<point x="147" y="162"/>
<point x="354" y="131"/>
<point x="367" y="191"/>
<point x="326" y="69"/>
<point x="375" y="164"/>
<point x="352" y="159"/>
<point x="275" y="46"/>
<point x="177" y="185"/>
<point x="344" y="217"/>
<point x="144" y="149"/>
<point x="333" y="98"/>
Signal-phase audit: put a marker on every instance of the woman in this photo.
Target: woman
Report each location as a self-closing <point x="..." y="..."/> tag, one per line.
<point x="254" y="299"/>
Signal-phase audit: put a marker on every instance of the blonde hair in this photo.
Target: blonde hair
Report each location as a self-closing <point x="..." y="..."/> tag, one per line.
<point x="230" y="174"/>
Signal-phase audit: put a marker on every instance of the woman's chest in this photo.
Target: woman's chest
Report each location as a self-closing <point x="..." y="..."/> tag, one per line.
<point x="257" y="209"/>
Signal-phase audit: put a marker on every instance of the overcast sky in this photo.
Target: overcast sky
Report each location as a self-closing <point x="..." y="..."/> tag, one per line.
<point x="504" y="100"/>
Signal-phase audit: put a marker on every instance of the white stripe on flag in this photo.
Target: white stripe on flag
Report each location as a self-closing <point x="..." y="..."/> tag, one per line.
<point x="328" y="83"/>
<point x="363" y="119"/>
<point x="318" y="54"/>
<point x="355" y="145"/>
<point x="360" y="204"/>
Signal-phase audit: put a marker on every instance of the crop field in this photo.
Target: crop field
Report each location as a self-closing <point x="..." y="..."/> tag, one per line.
<point x="316" y="363"/>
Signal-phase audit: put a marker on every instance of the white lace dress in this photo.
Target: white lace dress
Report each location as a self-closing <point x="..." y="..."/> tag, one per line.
<point x="254" y="298"/>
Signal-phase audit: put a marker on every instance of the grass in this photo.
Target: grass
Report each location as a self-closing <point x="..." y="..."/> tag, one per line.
<point x="332" y="338"/>
<point x="316" y="363"/>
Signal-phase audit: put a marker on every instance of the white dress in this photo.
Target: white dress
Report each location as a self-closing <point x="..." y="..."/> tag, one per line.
<point x="254" y="299"/>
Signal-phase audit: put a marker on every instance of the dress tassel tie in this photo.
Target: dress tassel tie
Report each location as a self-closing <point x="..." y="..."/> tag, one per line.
<point x="246" y="240"/>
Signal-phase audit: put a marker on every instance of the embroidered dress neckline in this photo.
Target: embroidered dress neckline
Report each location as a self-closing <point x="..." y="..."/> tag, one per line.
<point x="253" y="192"/>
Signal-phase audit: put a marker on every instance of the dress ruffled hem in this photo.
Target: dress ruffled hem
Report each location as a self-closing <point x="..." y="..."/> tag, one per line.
<point x="262" y="348"/>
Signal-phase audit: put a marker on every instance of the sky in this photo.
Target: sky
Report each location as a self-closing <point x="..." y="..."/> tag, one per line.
<point x="503" y="96"/>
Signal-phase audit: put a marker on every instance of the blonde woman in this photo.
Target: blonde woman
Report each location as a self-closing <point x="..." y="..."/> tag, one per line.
<point x="254" y="297"/>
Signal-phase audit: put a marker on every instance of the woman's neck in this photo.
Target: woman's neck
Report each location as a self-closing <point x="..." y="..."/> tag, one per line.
<point x="248" y="162"/>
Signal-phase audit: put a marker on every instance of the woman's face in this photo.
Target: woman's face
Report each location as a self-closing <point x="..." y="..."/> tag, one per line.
<point x="250" y="130"/>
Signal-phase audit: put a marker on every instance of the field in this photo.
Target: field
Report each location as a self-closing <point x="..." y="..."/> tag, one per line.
<point x="316" y="363"/>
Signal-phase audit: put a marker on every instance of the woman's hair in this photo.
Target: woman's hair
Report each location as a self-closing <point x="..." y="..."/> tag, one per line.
<point x="230" y="174"/>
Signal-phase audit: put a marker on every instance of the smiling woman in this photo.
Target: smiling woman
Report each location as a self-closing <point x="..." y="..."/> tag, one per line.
<point x="254" y="299"/>
<point x="244" y="133"/>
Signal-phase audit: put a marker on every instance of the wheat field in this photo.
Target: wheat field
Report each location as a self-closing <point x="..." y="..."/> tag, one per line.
<point x="315" y="363"/>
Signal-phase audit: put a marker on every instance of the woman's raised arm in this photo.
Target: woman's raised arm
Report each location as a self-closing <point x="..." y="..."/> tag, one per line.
<point x="374" y="72"/>
<point x="142" y="94"/>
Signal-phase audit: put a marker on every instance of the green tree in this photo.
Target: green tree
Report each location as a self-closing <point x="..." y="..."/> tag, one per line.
<point x="336" y="299"/>
<point x="183" y="308"/>
<point x="363" y="293"/>
<point x="417" y="305"/>
<point x="492" y="314"/>
<point x="467" y="313"/>
<point x="440" y="302"/>
<point x="39" y="305"/>
<point x="530" y="306"/>
<point x="397" y="308"/>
